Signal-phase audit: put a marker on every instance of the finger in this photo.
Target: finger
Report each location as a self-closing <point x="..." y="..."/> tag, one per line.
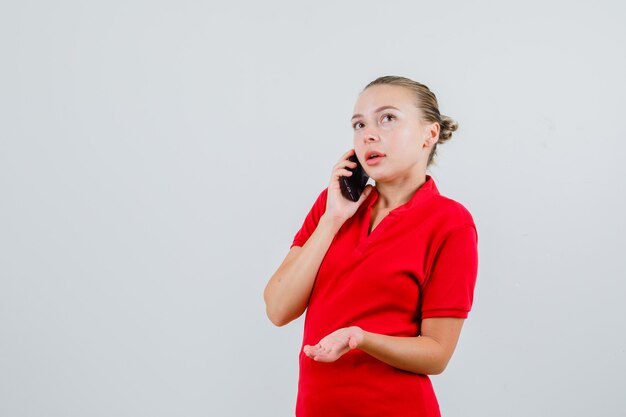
<point x="342" y="172"/>
<point x="312" y="350"/>
<point x="311" y="353"/>
<point x="322" y="357"/>
<point x="346" y="155"/>
<point x="366" y="191"/>
<point x="317" y="349"/>
<point x="352" y="342"/>
<point x="345" y="162"/>
<point x="347" y="166"/>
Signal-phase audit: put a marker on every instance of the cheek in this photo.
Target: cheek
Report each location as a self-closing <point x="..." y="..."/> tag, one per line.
<point x="405" y="141"/>
<point x="408" y="152"/>
<point x="357" y="144"/>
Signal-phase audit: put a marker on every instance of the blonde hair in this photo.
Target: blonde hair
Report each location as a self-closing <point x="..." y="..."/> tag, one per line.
<point x="427" y="103"/>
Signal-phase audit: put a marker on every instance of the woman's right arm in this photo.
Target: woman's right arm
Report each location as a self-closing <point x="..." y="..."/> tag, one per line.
<point x="287" y="293"/>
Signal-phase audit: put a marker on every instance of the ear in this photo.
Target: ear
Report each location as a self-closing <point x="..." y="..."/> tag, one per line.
<point x="432" y="135"/>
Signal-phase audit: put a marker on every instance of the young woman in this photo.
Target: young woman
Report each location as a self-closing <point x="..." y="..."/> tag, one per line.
<point x="386" y="281"/>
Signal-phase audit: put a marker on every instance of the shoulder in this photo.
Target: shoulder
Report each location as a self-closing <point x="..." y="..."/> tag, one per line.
<point x="319" y="205"/>
<point x="455" y="226"/>
<point x="453" y="210"/>
<point x="450" y="215"/>
<point x="320" y="201"/>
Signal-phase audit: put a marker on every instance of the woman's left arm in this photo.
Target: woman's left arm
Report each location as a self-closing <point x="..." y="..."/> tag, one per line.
<point x="426" y="354"/>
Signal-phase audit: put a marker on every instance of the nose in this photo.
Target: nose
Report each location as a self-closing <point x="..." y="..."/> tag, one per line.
<point x="370" y="135"/>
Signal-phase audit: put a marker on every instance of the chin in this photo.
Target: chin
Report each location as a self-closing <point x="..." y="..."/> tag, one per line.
<point x="378" y="178"/>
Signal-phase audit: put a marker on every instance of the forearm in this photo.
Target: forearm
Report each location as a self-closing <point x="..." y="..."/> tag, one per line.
<point x="421" y="354"/>
<point x="288" y="291"/>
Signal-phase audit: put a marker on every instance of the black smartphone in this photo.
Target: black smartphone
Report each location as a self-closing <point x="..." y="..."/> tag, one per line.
<point x="352" y="186"/>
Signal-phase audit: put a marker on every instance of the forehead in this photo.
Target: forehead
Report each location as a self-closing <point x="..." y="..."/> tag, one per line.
<point x="385" y="95"/>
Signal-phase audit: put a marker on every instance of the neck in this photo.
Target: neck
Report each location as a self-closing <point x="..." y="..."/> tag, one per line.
<point x="392" y="195"/>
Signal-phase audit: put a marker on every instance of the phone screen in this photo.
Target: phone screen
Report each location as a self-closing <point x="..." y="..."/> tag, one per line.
<point x="353" y="186"/>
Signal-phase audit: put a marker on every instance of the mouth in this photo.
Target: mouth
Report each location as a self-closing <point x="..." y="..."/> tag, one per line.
<point x="373" y="157"/>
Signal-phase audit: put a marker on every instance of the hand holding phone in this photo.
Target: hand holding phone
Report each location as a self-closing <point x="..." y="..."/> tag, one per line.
<point x="347" y="186"/>
<point x="352" y="186"/>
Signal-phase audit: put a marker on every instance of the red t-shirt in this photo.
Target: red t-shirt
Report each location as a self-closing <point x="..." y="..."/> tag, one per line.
<point x="372" y="281"/>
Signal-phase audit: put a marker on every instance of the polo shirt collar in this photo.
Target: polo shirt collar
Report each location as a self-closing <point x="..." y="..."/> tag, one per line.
<point x="427" y="190"/>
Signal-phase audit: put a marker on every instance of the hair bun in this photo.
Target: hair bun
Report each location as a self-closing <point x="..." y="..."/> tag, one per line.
<point x="448" y="125"/>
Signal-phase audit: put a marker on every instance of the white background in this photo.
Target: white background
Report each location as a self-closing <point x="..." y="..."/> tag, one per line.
<point x="157" y="158"/>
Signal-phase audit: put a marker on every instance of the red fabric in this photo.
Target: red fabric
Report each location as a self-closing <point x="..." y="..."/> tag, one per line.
<point x="370" y="281"/>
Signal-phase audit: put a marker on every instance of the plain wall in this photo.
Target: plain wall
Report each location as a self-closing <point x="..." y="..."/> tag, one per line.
<point x="157" y="158"/>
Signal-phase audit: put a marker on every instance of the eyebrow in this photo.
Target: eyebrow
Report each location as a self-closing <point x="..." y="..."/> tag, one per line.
<point x="377" y="110"/>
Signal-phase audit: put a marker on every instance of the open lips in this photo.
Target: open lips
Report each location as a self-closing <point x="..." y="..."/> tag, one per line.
<point x="373" y="156"/>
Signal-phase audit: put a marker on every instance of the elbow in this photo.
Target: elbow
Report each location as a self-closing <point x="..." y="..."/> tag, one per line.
<point x="281" y="315"/>
<point x="274" y="318"/>
<point x="270" y="310"/>
<point x="279" y="312"/>
<point x="439" y="366"/>
<point x="437" y="370"/>
<point x="275" y="314"/>
<point x="279" y="323"/>
<point x="278" y="320"/>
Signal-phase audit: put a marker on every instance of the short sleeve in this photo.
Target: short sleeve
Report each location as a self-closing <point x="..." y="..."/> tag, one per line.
<point x="449" y="289"/>
<point x="311" y="220"/>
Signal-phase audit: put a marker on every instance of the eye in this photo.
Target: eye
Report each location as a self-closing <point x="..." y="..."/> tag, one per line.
<point x="354" y="126"/>
<point x="391" y="116"/>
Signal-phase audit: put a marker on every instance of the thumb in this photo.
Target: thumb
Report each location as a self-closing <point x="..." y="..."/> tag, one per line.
<point x="351" y="342"/>
<point x="365" y="193"/>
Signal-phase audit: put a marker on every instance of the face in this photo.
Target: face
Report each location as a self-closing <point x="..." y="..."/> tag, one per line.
<point x="388" y="122"/>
